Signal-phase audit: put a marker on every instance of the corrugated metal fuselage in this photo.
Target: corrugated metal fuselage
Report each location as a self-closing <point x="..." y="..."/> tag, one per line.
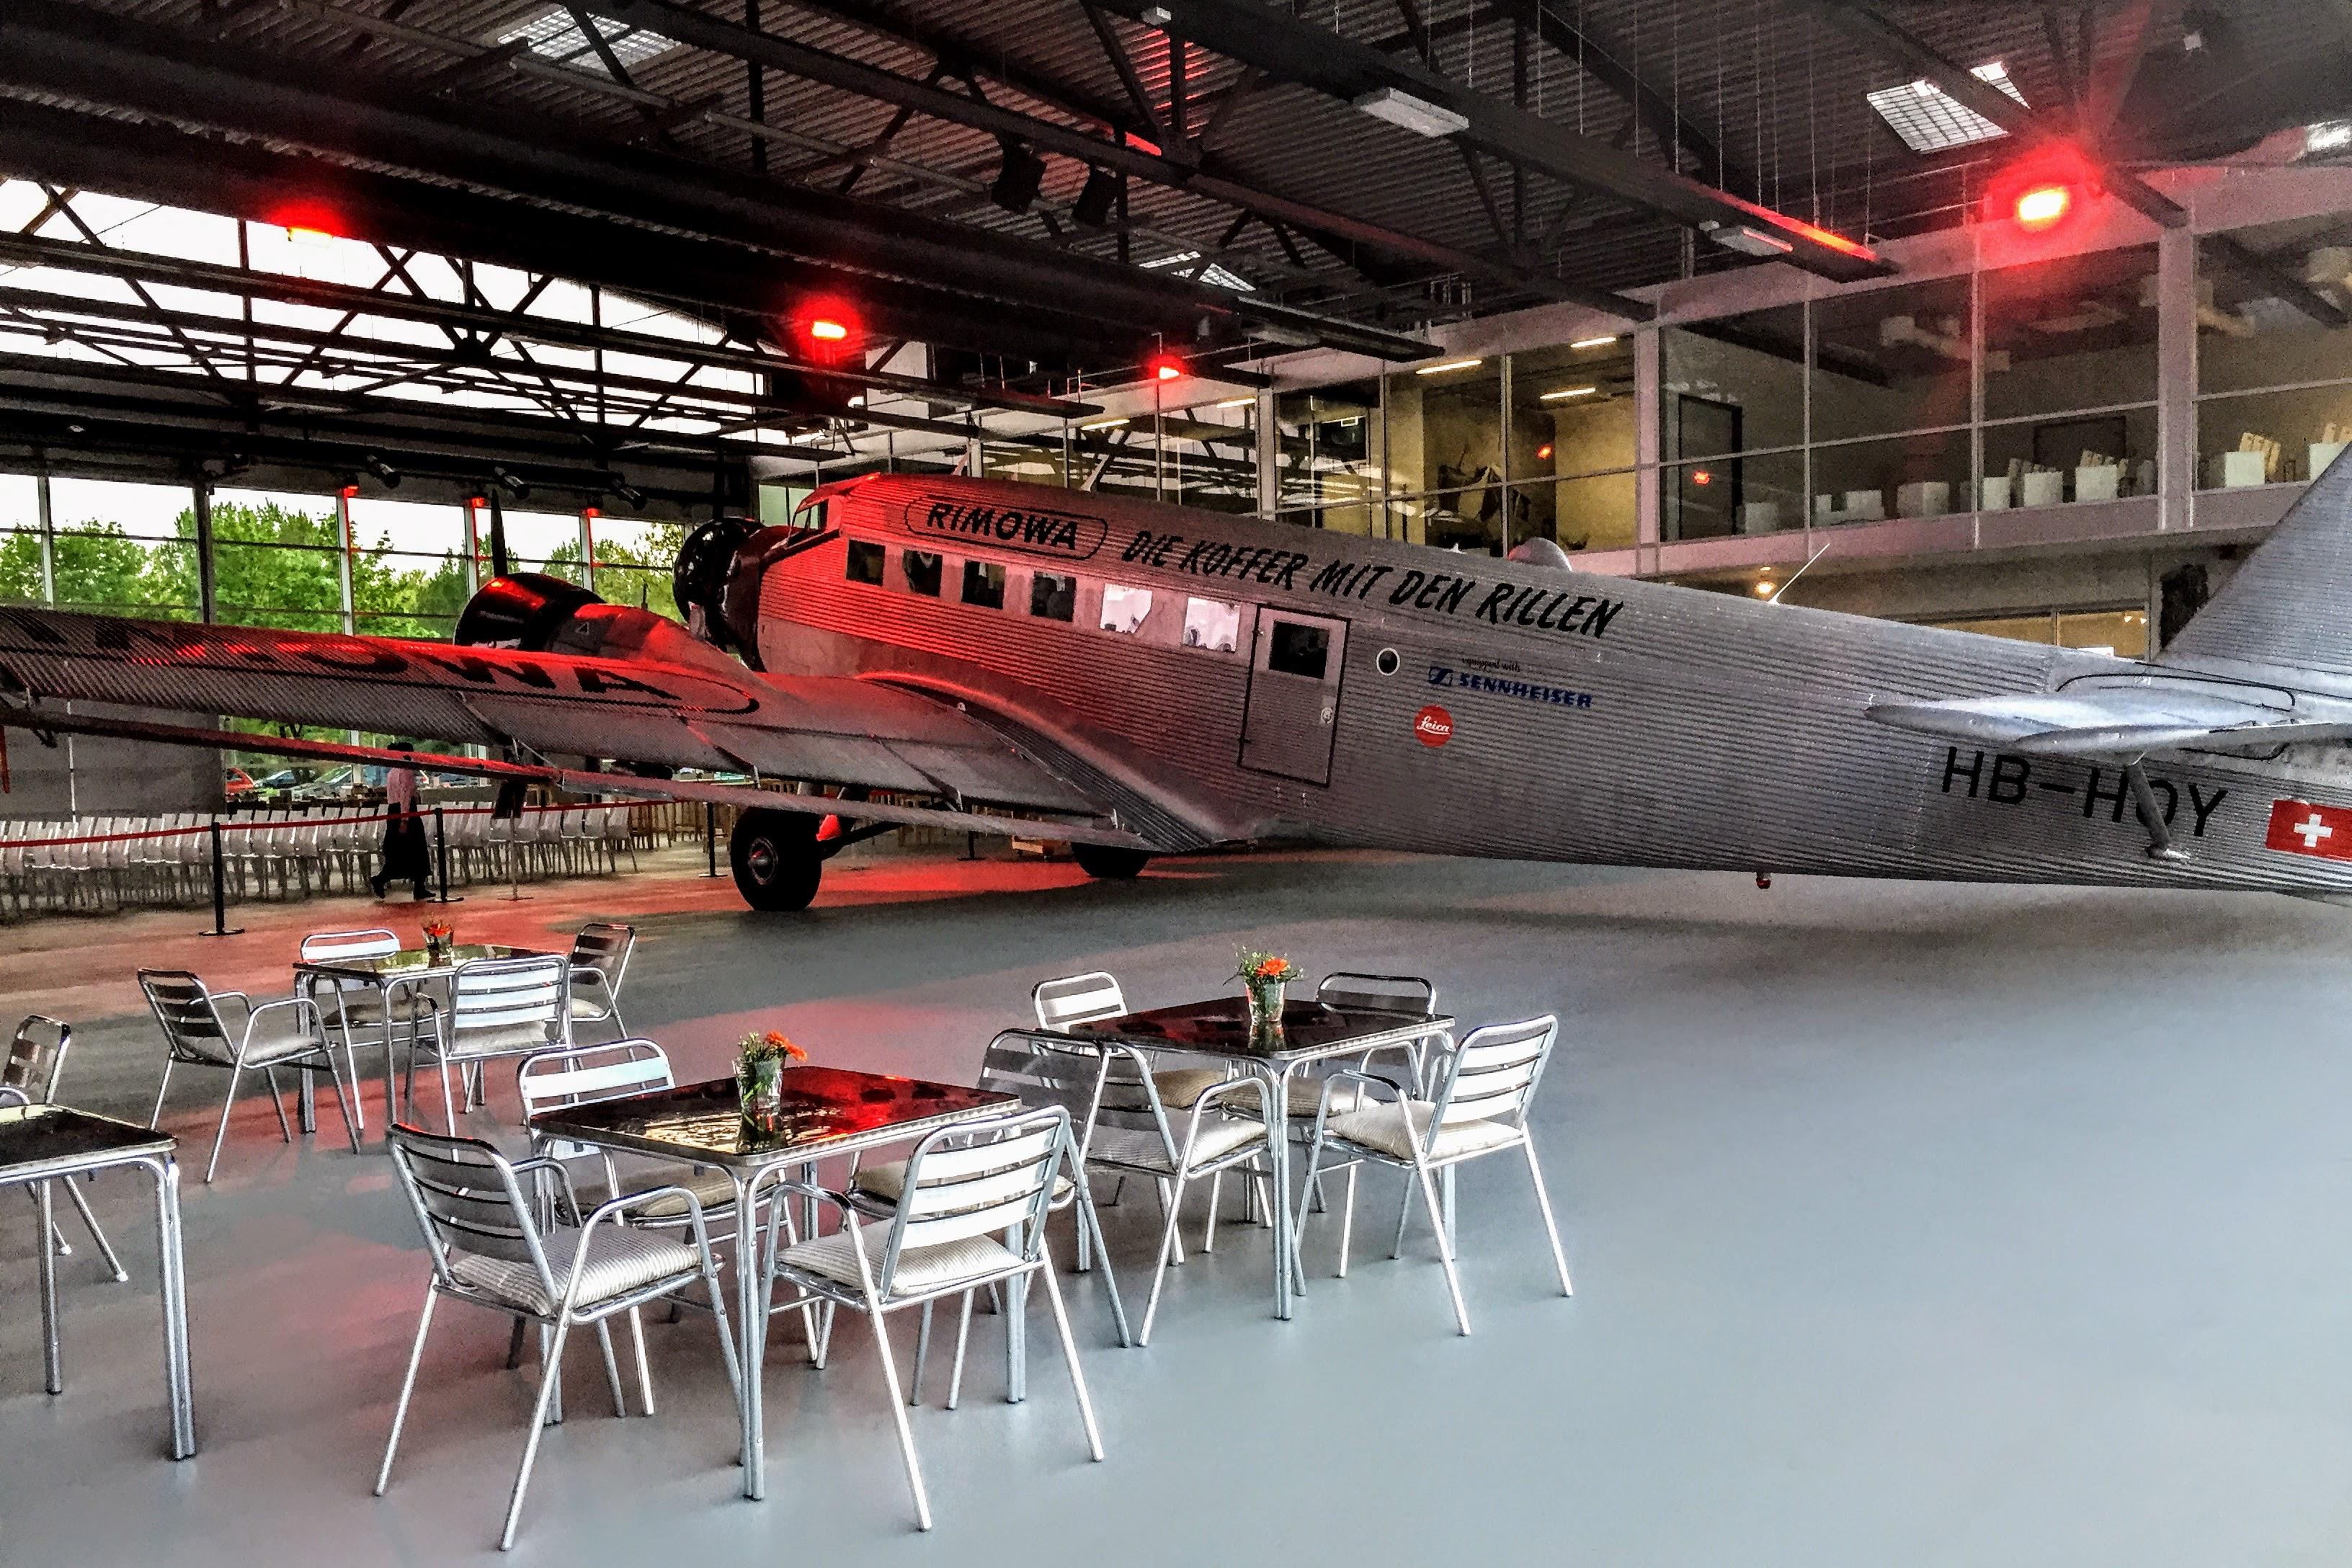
<point x="1470" y="706"/>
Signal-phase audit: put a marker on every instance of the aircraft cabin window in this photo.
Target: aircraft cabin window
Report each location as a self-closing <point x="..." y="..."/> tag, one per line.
<point x="1212" y="624"/>
<point x="865" y="561"/>
<point x="1053" y="596"/>
<point x="1299" y="649"/>
<point x="984" y="585"/>
<point x="923" y="568"/>
<point x="1123" y="610"/>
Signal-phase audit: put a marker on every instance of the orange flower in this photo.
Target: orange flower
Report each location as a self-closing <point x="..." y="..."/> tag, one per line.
<point x="776" y="1038"/>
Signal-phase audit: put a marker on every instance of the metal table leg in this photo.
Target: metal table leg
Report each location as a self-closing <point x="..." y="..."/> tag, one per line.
<point x="1277" y="1116"/>
<point x="752" y="1323"/>
<point x="52" y="1367"/>
<point x="172" y="1267"/>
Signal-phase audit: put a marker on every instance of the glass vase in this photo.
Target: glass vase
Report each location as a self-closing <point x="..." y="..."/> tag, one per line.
<point x="1265" y="1012"/>
<point x="762" y="1085"/>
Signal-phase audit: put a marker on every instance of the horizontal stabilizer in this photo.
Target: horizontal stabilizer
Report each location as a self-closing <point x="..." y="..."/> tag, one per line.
<point x="2110" y="721"/>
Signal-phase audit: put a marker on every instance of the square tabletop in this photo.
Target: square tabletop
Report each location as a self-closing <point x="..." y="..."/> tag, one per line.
<point x="43" y="1139"/>
<point x="412" y="963"/>
<point x="822" y="1110"/>
<point x="1220" y="1027"/>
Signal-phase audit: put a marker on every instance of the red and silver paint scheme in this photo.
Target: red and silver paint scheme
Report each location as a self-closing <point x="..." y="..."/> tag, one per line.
<point x="1142" y="678"/>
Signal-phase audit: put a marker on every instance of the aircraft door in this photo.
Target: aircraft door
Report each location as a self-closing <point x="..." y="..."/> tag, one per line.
<point x="1292" y="713"/>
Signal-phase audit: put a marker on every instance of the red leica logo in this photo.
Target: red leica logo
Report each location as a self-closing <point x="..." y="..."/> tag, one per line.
<point x="1432" y="726"/>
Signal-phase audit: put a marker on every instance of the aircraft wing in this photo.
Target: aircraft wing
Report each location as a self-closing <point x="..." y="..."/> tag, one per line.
<point x="2118" y="722"/>
<point x="713" y="715"/>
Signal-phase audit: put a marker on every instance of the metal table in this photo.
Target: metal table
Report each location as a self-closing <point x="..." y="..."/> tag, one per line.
<point x="410" y="969"/>
<point x="1311" y="1032"/>
<point x="43" y="1144"/>
<point x="826" y="1111"/>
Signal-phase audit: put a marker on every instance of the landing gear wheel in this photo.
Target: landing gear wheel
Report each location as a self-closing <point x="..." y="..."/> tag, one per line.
<point x="1109" y="863"/>
<point x="775" y="859"/>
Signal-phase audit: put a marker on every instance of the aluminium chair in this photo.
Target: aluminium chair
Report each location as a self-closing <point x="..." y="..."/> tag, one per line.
<point x="36" y="1060"/>
<point x="965" y="1187"/>
<point x="498" y="1008"/>
<point x="353" y="1009"/>
<point x="1041" y="1069"/>
<point x="600" y="962"/>
<point x="283" y="1033"/>
<point x="581" y="1271"/>
<point x="1477" y="1106"/>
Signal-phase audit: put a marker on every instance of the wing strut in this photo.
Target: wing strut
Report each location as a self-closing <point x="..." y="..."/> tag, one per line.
<point x="2160" y="837"/>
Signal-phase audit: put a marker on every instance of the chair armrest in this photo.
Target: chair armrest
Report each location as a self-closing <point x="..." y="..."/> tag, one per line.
<point x="10" y="1095"/>
<point x="1217" y="1092"/>
<point x="301" y="1006"/>
<point x="544" y="1164"/>
<point x="1370" y="1080"/>
<point x="239" y="997"/>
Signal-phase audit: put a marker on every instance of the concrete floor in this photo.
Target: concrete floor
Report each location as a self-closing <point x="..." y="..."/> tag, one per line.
<point x="1911" y="1225"/>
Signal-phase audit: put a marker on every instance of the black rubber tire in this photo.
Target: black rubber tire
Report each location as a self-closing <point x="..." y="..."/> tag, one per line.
<point x="774" y="857"/>
<point x="1109" y="863"/>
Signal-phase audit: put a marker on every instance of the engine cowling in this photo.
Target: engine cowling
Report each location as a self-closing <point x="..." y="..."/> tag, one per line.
<point x="534" y="612"/>
<point x="719" y="570"/>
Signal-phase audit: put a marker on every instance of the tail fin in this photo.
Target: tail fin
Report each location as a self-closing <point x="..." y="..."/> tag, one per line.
<point x="2291" y="602"/>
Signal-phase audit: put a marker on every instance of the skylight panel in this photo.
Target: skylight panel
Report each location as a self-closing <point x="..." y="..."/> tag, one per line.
<point x="1930" y="121"/>
<point x="557" y="37"/>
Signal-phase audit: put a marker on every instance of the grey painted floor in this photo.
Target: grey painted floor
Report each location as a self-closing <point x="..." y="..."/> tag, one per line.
<point x="1911" y="1225"/>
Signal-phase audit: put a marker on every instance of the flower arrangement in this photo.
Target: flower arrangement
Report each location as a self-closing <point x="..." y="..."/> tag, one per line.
<point x="1263" y="976"/>
<point x="440" y="937"/>
<point x="759" y="1063"/>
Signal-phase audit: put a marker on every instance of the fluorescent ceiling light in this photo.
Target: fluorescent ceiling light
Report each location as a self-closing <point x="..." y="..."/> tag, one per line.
<point x="1449" y="365"/>
<point x="1417" y="115"/>
<point x="1592" y="343"/>
<point x="1567" y="392"/>
<point x="1748" y="241"/>
<point x="1930" y="121"/>
<point x="557" y="37"/>
<point x="1234" y="403"/>
<point x="1103" y="423"/>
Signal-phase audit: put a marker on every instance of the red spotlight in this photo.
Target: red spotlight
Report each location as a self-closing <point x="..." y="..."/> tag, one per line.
<point x="825" y="328"/>
<point x="2039" y="207"/>
<point x="1543" y="453"/>
<point x="306" y="219"/>
<point x="2040" y="192"/>
<point x="1164" y="367"/>
<point x="1702" y="477"/>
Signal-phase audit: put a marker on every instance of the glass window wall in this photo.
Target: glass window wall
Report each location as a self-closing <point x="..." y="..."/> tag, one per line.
<point x="1573" y="444"/>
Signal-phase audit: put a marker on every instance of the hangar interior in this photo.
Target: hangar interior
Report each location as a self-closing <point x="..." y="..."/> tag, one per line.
<point x="2029" y="318"/>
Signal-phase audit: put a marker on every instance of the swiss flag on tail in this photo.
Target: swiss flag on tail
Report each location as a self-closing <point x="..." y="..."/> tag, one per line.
<point x="2299" y="827"/>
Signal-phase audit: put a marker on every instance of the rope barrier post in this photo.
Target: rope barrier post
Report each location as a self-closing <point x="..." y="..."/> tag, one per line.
<point x="441" y="858"/>
<point x="220" y="891"/>
<point x="711" y="838"/>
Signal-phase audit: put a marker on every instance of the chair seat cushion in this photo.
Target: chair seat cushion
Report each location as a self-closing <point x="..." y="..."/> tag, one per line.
<point x="1382" y="1127"/>
<point x="365" y="1009"/>
<point x="1180" y="1087"/>
<point x="503" y="1040"/>
<point x="1139" y="1148"/>
<point x="619" y="1260"/>
<point x="590" y="1006"/>
<point x="712" y="1189"/>
<point x="920" y="1269"/>
<point x="1307" y="1095"/>
<point x="277" y="1038"/>
<point x="886" y="1183"/>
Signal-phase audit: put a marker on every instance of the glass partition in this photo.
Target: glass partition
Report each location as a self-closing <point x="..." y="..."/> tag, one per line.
<point x="1446" y="451"/>
<point x="1328" y="450"/>
<point x="2273" y="351"/>
<point x="1573" y="444"/>
<point x="1891" y="359"/>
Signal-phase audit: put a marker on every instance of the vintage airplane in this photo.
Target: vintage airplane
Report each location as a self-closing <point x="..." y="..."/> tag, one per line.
<point x="1142" y="679"/>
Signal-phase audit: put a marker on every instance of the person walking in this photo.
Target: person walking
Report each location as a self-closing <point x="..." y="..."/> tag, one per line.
<point x="403" y="852"/>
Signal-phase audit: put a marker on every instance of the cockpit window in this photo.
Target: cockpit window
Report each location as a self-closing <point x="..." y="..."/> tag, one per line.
<point x="865" y="561"/>
<point x="923" y="568"/>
